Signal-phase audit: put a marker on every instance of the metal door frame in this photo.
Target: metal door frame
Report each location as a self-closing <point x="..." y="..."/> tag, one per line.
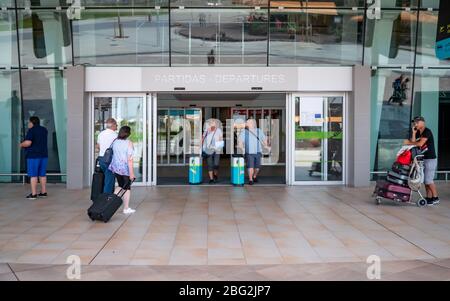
<point x="146" y="152"/>
<point x="290" y="99"/>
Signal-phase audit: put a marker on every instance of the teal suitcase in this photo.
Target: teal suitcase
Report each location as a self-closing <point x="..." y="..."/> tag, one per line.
<point x="195" y="170"/>
<point x="237" y="170"/>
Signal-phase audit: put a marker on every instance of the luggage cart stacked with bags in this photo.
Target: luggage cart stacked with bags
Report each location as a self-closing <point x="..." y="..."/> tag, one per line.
<point x="404" y="180"/>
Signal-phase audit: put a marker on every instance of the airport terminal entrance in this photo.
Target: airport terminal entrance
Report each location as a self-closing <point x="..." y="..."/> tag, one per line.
<point x="180" y="128"/>
<point x="304" y="134"/>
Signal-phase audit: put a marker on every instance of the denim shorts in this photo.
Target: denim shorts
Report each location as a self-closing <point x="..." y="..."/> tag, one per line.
<point x="37" y="167"/>
<point x="253" y="160"/>
<point x="429" y="170"/>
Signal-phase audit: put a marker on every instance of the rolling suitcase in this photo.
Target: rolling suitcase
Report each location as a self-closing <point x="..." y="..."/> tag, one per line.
<point x="98" y="180"/>
<point x="397" y="181"/>
<point x="401" y="169"/>
<point x="105" y="206"/>
<point x="195" y="170"/>
<point x="394" y="174"/>
<point x="237" y="170"/>
<point x="393" y="192"/>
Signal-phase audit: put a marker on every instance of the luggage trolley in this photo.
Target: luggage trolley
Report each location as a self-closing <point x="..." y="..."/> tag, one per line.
<point x="396" y="192"/>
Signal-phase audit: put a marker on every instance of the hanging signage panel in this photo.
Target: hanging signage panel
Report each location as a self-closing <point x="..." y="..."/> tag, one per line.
<point x="220" y="79"/>
<point x="443" y="31"/>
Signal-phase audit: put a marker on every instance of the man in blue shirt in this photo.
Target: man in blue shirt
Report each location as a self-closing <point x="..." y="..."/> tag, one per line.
<point x="251" y="141"/>
<point x="36" y="153"/>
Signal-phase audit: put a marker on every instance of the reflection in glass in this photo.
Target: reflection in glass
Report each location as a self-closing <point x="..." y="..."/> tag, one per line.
<point x="316" y="37"/>
<point x="219" y="37"/>
<point x="430" y="4"/>
<point x="390" y="40"/>
<point x="8" y="39"/>
<point x="317" y="3"/>
<point x="179" y="135"/>
<point x="44" y="38"/>
<point x="432" y="101"/>
<point x="122" y="37"/>
<point x="319" y="138"/>
<point x="126" y="111"/>
<point x="124" y="3"/>
<point x="426" y="52"/>
<point x="44" y="95"/>
<point x="219" y="3"/>
<point x="390" y="118"/>
<point x="11" y="130"/>
<point x="399" y="3"/>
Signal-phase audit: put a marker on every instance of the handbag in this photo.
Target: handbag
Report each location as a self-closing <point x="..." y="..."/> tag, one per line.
<point x="108" y="155"/>
<point x="205" y="154"/>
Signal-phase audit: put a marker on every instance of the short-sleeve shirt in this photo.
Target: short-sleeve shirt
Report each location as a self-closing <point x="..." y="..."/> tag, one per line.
<point x="122" y="151"/>
<point x="104" y="140"/>
<point x="38" y="137"/>
<point x="431" y="152"/>
<point x="210" y="141"/>
<point x="252" y="139"/>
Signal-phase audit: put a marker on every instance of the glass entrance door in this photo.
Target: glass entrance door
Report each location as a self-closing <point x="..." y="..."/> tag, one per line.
<point x="318" y="139"/>
<point x="126" y="110"/>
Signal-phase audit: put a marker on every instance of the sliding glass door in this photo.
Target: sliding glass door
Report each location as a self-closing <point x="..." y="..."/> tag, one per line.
<point x="130" y="110"/>
<point x="319" y="144"/>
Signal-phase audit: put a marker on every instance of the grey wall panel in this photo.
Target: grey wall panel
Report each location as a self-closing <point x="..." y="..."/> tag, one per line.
<point x="77" y="135"/>
<point x="359" y="153"/>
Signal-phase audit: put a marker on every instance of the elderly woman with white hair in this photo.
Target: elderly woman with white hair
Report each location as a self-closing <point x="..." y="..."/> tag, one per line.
<point x="212" y="145"/>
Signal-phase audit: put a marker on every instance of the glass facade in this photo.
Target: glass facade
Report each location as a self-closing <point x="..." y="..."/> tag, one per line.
<point x="39" y="38"/>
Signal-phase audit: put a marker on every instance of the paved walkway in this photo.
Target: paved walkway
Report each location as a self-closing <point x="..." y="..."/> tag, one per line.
<point x="252" y="228"/>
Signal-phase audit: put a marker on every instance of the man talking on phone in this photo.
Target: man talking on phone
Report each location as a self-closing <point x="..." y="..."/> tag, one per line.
<point x="423" y="138"/>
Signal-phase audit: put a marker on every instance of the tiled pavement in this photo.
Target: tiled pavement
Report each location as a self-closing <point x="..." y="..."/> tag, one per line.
<point x="219" y="233"/>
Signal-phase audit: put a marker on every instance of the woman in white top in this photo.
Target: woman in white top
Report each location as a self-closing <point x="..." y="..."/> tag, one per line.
<point x="212" y="144"/>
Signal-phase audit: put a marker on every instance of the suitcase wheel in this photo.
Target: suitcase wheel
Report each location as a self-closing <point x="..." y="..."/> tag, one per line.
<point x="421" y="202"/>
<point x="378" y="200"/>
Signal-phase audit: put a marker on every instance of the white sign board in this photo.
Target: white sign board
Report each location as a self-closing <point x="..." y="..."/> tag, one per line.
<point x="311" y="111"/>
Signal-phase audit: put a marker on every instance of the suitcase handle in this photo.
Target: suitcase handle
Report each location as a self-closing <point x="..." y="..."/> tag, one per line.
<point x="122" y="191"/>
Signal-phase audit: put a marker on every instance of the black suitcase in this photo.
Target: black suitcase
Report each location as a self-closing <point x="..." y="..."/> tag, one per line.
<point x="105" y="206"/>
<point x="397" y="175"/>
<point x="98" y="179"/>
<point x="397" y="181"/>
<point x="401" y="168"/>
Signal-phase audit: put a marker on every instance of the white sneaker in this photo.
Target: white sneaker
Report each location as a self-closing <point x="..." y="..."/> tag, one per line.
<point x="129" y="211"/>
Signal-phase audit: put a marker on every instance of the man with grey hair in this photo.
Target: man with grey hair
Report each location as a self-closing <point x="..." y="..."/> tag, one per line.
<point x="104" y="141"/>
<point x="251" y="140"/>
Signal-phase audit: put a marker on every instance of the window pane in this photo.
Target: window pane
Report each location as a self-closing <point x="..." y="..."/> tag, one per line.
<point x="317" y="3"/>
<point x="122" y="37"/>
<point x="430" y="3"/>
<point x="44" y="38"/>
<point x="432" y="101"/>
<point x="124" y="3"/>
<point x="41" y="3"/>
<point x="390" y="109"/>
<point x="219" y="3"/>
<point x="390" y="40"/>
<point x="399" y="3"/>
<point x="316" y="37"/>
<point x="10" y="125"/>
<point x="8" y="39"/>
<point x="426" y="52"/>
<point x="7" y="3"/>
<point x="219" y="37"/>
<point x="45" y="96"/>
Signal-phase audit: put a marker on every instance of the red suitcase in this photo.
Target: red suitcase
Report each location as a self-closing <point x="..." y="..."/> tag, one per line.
<point x="391" y="191"/>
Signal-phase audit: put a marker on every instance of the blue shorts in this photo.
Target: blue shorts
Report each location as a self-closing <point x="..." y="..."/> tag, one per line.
<point x="37" y="167"/>
<point x="253" y="160"/>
